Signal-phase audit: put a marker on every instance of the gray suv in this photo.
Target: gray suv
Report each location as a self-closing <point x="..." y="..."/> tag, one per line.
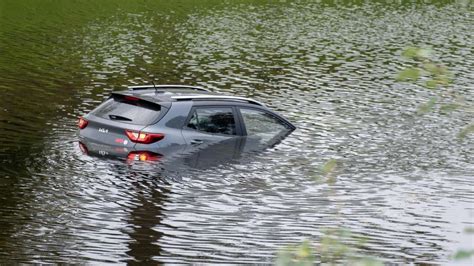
<point x="151" y="121"/>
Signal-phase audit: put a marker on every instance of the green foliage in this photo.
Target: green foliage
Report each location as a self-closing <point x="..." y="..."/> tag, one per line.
<point x="469" y="230"/>
<point x="340" y="245"/>
<point x="426" y="107"/>
<point x="463" y="254"/>
<point x="333" y="250"/>
<point x="423" y="69"/>
<point x="431" y="84"/>
<point x="329" y="166"/>
<point x="465" y="131"/>
<point x="434" y="76"/>
<point x="327" y="172"/>
<point x="446" y="108"/>
<point x="333" y="245"/>
<point x="430" y="67"/>
<point x="416" y="53"/>
<point x="409" y="74"/>
<point x="298" y="255"/>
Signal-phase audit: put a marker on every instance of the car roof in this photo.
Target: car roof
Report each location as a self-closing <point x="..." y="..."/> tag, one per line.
<point x="163" y="94"/>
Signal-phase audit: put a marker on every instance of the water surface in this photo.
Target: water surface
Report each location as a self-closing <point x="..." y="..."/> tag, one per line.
<point x="404" y="181"/>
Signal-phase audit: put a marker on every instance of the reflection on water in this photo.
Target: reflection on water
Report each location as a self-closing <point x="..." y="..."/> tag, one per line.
<point x="328" y="68"/>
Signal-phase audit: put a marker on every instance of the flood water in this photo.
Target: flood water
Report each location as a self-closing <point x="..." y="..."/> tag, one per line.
<point x="403" y="181"/>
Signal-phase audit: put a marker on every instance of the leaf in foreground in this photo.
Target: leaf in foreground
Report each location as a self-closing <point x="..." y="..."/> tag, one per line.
<point x="449" y="107"/>
<point x="329" y="166"/>
<point x="409" y="74"/>
<point x="469" y="230"/>
<point x="463" y="254"/>
<point x="416" y="53"/>
<point x="300" y="255"/>
<point x="426" y="107"/>
<point x="466" y="131"/>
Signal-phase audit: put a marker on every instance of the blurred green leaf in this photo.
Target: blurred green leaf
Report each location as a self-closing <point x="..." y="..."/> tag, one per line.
<point x="425" y="108"/>
<point x="469" y="230"/>
<point x="409" y="74"/>
<point x="284" y="257"/>
<point x="465" y="131"/>
<point x="410" y="52"/>
<point x="331" y="180"/>
<point x="416" y="53"/>
<point x="463" y="254"/>
<point x="440" y="70"/>
<point x="444" y="80"/>
<point x="424" y="53"/>
<point x="334" y="249"/>
<point x="304" y="250"/>
<point x="431" y="84"/>
<point x="449" y="107"/>
<point x="301" y="255"/>
<point x="329" y="166"/>
<point x="430" y="67"/>
<point x="361" y="240"/>
<point x="316" y="178"/>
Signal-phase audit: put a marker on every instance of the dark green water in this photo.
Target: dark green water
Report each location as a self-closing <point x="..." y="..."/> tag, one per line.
<point x="404" y="181"/>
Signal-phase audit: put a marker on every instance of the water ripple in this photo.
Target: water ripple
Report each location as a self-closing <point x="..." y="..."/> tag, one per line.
<point x="403" y="181"/>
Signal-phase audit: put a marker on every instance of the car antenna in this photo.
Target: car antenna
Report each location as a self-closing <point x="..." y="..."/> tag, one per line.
<point x="154" y="86"/>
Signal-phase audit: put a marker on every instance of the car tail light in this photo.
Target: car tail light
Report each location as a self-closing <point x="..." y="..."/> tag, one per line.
<point x="142" y="137"/>
<point x="82" y="123"/>
<point x="143" y="156"/>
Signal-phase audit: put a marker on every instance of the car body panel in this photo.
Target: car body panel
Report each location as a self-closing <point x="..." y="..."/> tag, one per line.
<point x="107" y="131"/>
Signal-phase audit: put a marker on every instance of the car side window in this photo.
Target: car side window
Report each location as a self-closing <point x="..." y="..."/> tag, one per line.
<point x="217" y="120"/>
<point x="261" y="124"/>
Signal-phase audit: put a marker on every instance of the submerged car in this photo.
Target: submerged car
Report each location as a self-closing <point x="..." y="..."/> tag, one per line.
<point x="151" y="121"/>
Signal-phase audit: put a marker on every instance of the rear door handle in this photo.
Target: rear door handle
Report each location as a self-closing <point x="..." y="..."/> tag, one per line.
<point x="196" y="141"/>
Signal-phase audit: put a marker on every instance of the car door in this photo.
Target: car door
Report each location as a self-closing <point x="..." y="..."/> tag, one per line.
<point x="211" y="124"/>
<point x="263" y="129"/>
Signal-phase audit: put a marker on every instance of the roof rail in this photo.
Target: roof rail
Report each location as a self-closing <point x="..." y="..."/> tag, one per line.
<point x="144" y="87"/>
<point x="216" y="97"/>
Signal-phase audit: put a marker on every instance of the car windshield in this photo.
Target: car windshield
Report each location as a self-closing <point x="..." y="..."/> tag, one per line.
<point x="134" y="112"/>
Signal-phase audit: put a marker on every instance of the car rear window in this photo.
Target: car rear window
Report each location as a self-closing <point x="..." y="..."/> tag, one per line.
<point x="136" y="112"/>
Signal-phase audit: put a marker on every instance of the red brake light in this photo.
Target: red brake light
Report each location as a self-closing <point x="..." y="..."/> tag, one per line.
<point x="82" y="123"/>
<point x="142" y="137"/>
<point x="131" y="98"/>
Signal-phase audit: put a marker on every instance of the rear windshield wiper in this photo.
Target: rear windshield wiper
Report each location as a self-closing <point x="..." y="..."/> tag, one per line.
<point x="118" y="117"/>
